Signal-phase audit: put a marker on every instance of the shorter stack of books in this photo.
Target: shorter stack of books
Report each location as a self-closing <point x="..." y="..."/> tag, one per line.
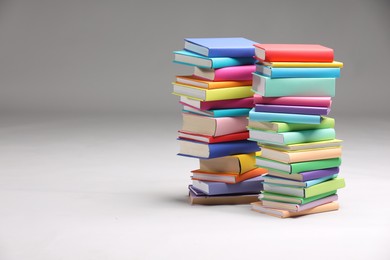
<point x="294" y="84"/>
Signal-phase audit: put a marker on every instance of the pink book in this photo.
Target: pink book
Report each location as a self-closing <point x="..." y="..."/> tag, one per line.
<point x="236" y="73"/>
<point x="294" y="101"/>
<point x="218" y="104"/>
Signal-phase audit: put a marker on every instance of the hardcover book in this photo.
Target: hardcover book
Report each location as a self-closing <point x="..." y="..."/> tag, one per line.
<point x="298" y="207"/>
<point x="292" y="199"/>
<point x="227" y="177"/>
<point x="294" y="52"/>
<point x="218" y="104"/>
<point x="289" y="64"/>
<point x="297" y="72"/>
<point x="214" y="139"/>
<point x="305" y="176"/>
<point x="300" y="156"/>
<point x="305" y="110"/>
<point x="193" y="59"/>
<point x="305" y="184"/>
<point x="298" y="87"/>
<point x="281" y="127"/>
<point x="195" y="82"/>
<point x="304" y="146"/>
<point x="236" y="164"/>
<point x="207" y="151"/>
<point x="258" y="207"/>
<point x="227" y="73"/>
<point x="250" y="186"/>
<point x="294" y="101"/>
<point x="228" y="112"/>
<point x="212" y="94"/>
<point x="211" y="126"/>
<point x="284" y="117"/>
<point x="221" y="47"/>
<point x="204" y="199"/>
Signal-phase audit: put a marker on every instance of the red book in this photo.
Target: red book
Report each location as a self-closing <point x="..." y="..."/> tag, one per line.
<point x="293" y="52"/>
<point x="213" y="139"/>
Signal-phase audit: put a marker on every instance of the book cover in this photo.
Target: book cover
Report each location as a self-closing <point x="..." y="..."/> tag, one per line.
<point x="305" y="176"/>
<point x="304" y="146"/>
<point x="212" y="94"/>
<point x="294" y="52"/>
<point x="195" y="82"/>
<point x="213" y="139"/>
<point x="250" y="186"/>
<point x="288" y="138"/>
<point x="227" y="73"/>
<point x="320" y="188"/>
<point x="218" y="104"/>
<point x="298" y="167"/>
<point x="193" y="59"/>
<point x="299" y="87"/>
<point x="221" y="47"/>
<point x="207" y="151"/>
<point x="298" y="207"/>
<point x="235" y="164"/>
<point x="284" y="117"/>
<point x="306" y="110"/>
<point x="281" y="127"/>
<point x="221" y="199"/>
<point x="227" y="177"/>
<point x="297" y="72"/>
<point x="227" y="112"/>
<point x="213" y="126"/>
<point x="292" y="199"/>
<point x="294" y="101"/>
<point x="287" y="64"/>
<point x="258" y="207"/>
<point x="300" y="156"/>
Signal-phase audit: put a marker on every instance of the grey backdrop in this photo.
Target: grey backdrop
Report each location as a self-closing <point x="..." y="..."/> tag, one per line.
<point x="115" y="56"/>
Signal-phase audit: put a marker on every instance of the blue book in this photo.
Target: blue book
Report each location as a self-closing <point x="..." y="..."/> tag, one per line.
<point x="297" y="72"/>
<point x="201" y="150"/>
<point x="228" y="112"/>
<point x="284" y="117"/>
<point x="287" y="182"/>
<point x="193" y="59"/>
<point x="221" y="47"/>
<point x="253" y="185"/>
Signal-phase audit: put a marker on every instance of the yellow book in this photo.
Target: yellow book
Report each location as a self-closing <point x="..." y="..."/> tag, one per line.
<point x="282" y="64"/>
<point x="212" y="94"/>
<point x="238" y="163"/>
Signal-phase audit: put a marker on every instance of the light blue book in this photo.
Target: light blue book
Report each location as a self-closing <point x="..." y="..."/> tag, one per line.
<point x="293" y="87"/>
<point x="297" y="72"/>
<point x="193" y="59"/>
<point x="228" y="112"/>
<point x="287" y="182"/>
<point x="284" y="117"/>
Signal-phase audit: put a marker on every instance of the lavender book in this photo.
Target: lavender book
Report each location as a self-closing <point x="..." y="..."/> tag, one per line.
<point x="253" y="185"/>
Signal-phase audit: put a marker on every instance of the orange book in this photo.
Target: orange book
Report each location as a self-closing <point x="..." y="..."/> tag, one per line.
<point x="200" y="83"/>
<point x="227" y="177"/>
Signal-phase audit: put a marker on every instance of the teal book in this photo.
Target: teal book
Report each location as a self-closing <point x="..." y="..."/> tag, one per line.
<point x="315" y="190"/>
<point x="293" y="183"/>
<point x="287" y="138"/>
<point x="228" y="112"/>
<point x="193" y="59"/>
<point x="297" y="72"/>
<point x="284" y="117"/>
<point x="293" y="87"/>
<point x="294" y="168"/>
<point x="265" y="195"/>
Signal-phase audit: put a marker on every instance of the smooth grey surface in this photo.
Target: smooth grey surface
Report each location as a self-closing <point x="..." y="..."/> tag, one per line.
<point x="115" y="56"/>
<point x="104" y="188"/>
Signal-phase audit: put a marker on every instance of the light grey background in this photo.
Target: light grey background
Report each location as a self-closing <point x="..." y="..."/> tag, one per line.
<point x="115" y="56"/>
<point x="88" y="165"/>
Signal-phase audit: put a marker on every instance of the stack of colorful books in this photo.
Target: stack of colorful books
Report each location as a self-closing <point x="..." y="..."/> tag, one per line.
<point x="294" y="84"/>
<point x="216" y="101"/>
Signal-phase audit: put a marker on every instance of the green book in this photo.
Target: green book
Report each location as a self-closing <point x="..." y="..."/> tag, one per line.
<point x="303" y="87"/>
<point x="320" y="188"/>
<point x="293" y="199"/>
<point x="292" y="137"/>
<point x="280" y="127"/>
<point x="292" y="168"/>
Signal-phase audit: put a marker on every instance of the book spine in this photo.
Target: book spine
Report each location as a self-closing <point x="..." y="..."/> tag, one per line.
<point x="292" y="109"/>
<point x="301" y="56"/>
<point x="284" y="117"/>
<point x="229" y="148"/>
<point x="235" y="73"/>
<point x="309" y="136"/>
<point x="231" y="112"/>
<point x="316" y="174"/>
<point x="219" y="188"/>
<point x="294" y="101"/>
<point x="326" y="122"/>
<point x="231" y="52"/>
<point x="229" y="125"/>
<point x="232" y="103"/>
<point x="323" y="187"/>
<point x="305" y="73"/>
<point x="314" y="165"/>
<point x="228" y="93"/>
<point x="228" y="62"/>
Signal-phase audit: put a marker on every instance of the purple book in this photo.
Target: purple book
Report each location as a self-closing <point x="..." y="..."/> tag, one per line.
<point x="292" y="109"/>
<point x="198" y="193"/>
<point x="253" y="185"/>
<point x="306" y="176"/>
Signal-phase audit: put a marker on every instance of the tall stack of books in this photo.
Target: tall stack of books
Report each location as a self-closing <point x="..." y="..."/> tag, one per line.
<point x="216" y="101"/>
<point x="295" y="84"/>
